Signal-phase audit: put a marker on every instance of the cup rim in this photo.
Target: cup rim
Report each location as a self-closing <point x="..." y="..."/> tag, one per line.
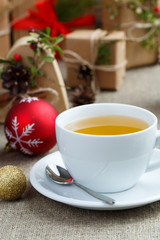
<point x="104" y="136"/>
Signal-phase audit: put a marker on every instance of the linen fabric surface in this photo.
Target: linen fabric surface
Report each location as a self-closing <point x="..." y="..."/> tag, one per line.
<point x="37" y="217"/>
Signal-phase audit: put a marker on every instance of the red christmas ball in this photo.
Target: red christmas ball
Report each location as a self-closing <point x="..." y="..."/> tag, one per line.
<point x="30" y="126"/>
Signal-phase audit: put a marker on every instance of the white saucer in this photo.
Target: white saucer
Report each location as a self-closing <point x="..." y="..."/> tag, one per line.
<point x="146" y="191"/>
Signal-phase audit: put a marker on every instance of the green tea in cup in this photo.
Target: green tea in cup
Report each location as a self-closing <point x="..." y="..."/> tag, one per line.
<point x="108" y="125"/>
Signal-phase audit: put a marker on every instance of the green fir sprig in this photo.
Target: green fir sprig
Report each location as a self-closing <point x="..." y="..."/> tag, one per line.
<point x="42" y="40"/>
<point x="104" y="53"/>
<point x="18" y="78"/>
<point x="67" y="10"/>
<point x="113" y="8"/>
<point x="147" y="11"/>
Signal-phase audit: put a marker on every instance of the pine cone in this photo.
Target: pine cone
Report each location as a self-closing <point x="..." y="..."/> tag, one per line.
<point x="16" y="78"/>
<point x="85" y="73"/>
<point x="82" y="95"/>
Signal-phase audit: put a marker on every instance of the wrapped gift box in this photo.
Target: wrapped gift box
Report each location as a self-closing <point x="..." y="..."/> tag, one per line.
<point x="21" y="11"/>
<point x="82" y="46"/>
<point x="4" y="30"/>
<point x="137" y="55"/>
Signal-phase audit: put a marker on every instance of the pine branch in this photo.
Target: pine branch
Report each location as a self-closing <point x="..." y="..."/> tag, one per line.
<point x="70" y="9"/>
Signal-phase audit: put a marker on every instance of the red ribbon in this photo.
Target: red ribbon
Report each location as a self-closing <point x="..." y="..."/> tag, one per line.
<point x="45" y="16"/>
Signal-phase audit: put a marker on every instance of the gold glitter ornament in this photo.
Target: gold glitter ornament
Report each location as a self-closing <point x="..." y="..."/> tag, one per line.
<point x="12" y="182"/>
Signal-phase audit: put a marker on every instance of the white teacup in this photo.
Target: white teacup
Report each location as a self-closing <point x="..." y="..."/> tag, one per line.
<point x="107" y="163"/>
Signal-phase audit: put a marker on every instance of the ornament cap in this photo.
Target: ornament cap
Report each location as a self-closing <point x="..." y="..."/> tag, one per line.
<point x="8" y="148"/>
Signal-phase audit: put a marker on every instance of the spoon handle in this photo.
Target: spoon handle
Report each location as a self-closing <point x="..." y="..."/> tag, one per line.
<point x="95" y="194"/>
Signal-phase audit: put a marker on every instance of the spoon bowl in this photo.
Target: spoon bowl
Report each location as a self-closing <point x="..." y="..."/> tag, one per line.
<point x="60" y="175"/>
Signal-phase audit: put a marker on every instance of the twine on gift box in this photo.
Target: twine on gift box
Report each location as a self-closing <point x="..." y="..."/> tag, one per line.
<point x="29" y="93"/>
<point x="71" y="58"/>
<point x="136" y="25"/>
<point x="79" y="60"/>
<point x="133" y="25"/>
<point x="8" y="27"/>
<point x="8" y="7"/>
<point x="4" y="32"/>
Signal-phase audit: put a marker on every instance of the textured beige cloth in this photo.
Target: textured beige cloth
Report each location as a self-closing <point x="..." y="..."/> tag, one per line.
<point x="37" y="217"/>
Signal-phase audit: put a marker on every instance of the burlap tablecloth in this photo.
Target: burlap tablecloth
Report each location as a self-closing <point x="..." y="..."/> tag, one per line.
<point x="37" y="217"/>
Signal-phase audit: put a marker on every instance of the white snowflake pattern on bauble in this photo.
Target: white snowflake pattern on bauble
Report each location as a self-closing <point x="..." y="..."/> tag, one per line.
<point x="29" y="99"/>
<point x="19" y="139"/>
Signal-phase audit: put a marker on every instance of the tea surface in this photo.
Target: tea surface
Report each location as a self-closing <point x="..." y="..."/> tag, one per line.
<point x="108" y="125"/>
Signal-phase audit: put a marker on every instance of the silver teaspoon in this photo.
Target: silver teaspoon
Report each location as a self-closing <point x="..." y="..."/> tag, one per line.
<point x="60" y="175"/>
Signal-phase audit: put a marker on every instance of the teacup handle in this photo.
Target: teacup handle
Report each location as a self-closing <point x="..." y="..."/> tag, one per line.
<point x="154" y="165"/>
<point x="157" y="143"/>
